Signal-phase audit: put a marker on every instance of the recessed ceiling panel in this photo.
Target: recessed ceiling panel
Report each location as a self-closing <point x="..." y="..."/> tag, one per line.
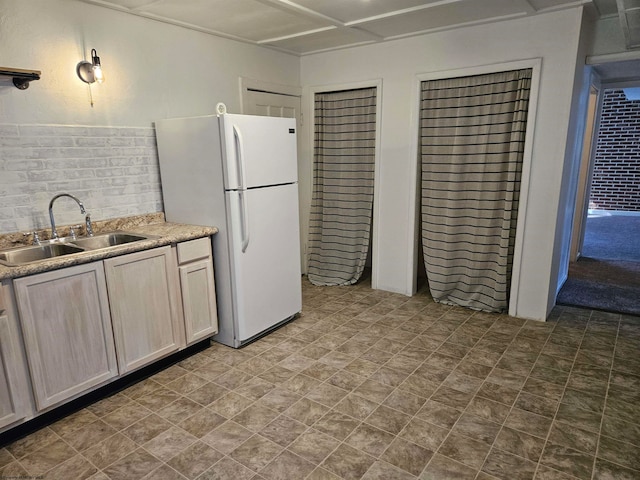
<point x="329" y="39"/>
<point x="258" y="21"/>
<point x="350" y="10"/>
<point x="131" y="4"/>
<point x="247" y="19"/>
<point x="543" y="4"/>
<point x="443" y="16"/>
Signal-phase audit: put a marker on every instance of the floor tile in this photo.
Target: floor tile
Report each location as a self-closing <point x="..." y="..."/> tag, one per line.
<point x="444" y="468"/>
<point x="388" y="419"/>
<point x="621" y="453"/>
<point x="407" y="456"/>
<point x="76" y="467"/>
<point x="134" y="466"/>
<point x="306" y="411"/>
<point x="336" y="424"/>
<point x="507" y="466"/>
<point x="169" y="443"/>
<point x="465" y="450"/>
<point x="43" y="460"/>
<point x="356" y="406"/>
<point x="370" y="439"/>
<point x="568" y="460"/>
<point x="195" y="459"/>
<point x="227" y="469"/>
<point x="313" y="445"/>
<point x="283" y="430"/>
<point x="573" y="437"/>
<point x="227" y="437"/>
<point x="287" y="465"/>
<point x="110" y="450"/>
<point x="256" y="452"/>
<point x="424" y="434"/>
<point x="439" y="414"/>
<point x="381" y="470"/>
<point x="348" y="462"/>
<point x="520" y="443"/>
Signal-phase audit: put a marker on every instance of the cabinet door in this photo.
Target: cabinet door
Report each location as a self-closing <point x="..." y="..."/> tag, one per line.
<point x="67" y="331"/>
<point x="198" y="300"/>
<point x="13" y="386"/>
<point x="144" y="308"/>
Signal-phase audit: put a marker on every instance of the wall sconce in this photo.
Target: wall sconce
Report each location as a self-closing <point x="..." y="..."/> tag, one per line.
<point x="90" y="72"/>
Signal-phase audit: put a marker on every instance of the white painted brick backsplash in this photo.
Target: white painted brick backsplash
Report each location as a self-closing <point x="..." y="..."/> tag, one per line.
<point x="113" y="170"/>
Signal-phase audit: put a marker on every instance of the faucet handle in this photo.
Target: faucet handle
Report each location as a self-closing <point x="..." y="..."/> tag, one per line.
<point x="36" y="238"/>
<point x="72" y="230"/>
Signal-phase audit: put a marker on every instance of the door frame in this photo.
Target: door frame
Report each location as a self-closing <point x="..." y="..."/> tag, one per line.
<point x="311" y="125"/>
<point x="584" y="181"/>
<point x="535" y="64"/>
<point x="587" y="162"/>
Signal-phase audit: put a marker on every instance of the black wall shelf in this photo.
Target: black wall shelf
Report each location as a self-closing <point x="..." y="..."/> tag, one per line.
<point x="21" y="77"/>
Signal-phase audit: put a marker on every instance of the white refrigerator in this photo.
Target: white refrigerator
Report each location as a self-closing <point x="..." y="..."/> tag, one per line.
<point x="239" y="173"/>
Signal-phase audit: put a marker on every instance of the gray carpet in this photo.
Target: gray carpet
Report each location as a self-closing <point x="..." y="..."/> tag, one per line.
<point x="615" y="237"/>
<point x="607" y="276"/>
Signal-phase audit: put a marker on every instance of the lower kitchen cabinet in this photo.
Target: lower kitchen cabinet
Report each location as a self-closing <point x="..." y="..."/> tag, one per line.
<point x="145" y="311"/>
<point x="14" y="394"/>
<point x="198" y="289"/>
<point x="67" y="332"/>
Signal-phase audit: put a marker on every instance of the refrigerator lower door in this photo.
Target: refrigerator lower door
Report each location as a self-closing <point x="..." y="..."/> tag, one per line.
<point x="265" y="258"/>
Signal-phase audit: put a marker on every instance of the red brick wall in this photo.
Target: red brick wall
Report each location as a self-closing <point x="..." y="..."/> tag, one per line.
<point x="616" y="174"/>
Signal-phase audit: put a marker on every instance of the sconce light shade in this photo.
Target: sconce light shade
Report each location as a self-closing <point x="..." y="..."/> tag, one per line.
<point x="90" y="72"/>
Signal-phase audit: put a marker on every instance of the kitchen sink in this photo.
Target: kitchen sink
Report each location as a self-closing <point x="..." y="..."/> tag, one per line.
<point x="23" y="255"/>
<point x="107" y="240"/>
<point x="67" y="245"/>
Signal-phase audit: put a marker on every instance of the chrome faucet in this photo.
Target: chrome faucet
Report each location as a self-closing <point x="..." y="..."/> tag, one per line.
<point x="54" y="232"/>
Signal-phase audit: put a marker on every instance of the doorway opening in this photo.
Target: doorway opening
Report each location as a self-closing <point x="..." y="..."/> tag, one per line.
<point x="604" y="272"/>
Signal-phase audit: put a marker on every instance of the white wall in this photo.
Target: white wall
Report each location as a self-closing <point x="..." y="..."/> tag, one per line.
<point x="153" y="70"/>
<point x="553" y="37"/>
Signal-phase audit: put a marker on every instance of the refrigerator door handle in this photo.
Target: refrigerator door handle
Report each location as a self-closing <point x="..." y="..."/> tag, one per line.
<point x="239" y="156"/>
<point x="244" y="217"/>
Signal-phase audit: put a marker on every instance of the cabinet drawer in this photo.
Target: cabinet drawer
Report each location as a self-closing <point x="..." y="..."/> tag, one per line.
<point x="194" y="250"/>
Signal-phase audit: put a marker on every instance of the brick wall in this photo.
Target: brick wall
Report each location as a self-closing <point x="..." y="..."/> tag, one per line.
<point x="113" y="170"/>
<point x="616" y="174"/>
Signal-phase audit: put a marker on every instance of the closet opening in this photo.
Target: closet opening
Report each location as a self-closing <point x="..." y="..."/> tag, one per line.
<point x="341" y="218"/>
<point x="471" y="150"/>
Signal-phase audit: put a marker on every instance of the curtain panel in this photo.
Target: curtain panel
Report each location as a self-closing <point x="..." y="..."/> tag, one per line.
<point x="342" y="203"/>
<point x="472" y="144"/>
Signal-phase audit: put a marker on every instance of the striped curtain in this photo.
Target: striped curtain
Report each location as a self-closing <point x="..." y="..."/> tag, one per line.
<point x="341" y="209"/>
<point x="472" y="142"/>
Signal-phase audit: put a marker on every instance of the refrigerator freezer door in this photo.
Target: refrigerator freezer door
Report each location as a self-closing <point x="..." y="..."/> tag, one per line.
<point x="266" y="279"/>
<point x="259" y="151"/>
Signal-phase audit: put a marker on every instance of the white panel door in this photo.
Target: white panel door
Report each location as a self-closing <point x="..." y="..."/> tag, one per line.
<point x="260" y="151"/>
<point x="271" y="104"/>
<point x="266" y="282"/>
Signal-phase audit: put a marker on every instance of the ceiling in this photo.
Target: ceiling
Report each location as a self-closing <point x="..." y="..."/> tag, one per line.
<point x="307" y="26"/>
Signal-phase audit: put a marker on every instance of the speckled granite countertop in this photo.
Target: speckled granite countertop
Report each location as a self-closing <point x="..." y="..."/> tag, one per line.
<point x="164" y="234"/>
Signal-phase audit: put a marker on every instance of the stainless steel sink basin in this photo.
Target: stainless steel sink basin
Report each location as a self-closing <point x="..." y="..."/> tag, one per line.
<point x="67" y="245"/>
<point x="107" y="240"/>
<point x="24" y="255"/>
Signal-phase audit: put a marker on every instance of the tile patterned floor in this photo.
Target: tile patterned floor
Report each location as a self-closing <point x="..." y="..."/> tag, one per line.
<point x="372" y="385"/>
